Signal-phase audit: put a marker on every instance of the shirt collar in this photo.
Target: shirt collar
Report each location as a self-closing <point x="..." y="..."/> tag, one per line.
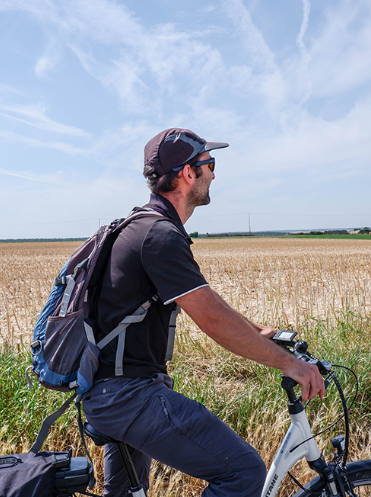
<point x="165" y="207"/>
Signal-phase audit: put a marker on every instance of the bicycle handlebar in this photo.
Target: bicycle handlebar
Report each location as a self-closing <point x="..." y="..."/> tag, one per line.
<point x="299" y="348"/>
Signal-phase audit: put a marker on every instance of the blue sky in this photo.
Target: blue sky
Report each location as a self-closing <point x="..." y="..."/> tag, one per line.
<point x="84" y="84"/>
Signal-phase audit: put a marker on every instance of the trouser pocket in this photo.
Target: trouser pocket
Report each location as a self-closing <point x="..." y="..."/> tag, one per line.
<point x="170" y="414"/>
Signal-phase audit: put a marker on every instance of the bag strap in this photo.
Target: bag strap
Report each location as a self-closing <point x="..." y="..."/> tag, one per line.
<point x="171" y="335"/>
<point x="81" y="430"/>
<point x="47" y="423"/>
<point x="50" y="420"/>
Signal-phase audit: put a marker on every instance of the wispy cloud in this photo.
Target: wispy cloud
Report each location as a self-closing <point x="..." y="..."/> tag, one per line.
<point x="340" y="52"/>
<point x="303" y="27"/>
<point x="50" y="179"/>
<point x="267" y="78"/>
<point x="337" y="145"/>
<point x="49" y="60"/>
<point x="10" y="136"/>
<point x="34" y="115"/>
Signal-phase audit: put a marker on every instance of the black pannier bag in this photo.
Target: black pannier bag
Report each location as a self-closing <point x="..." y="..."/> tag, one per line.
<point x="27" y="475"/>
<point x="45" y="474"/>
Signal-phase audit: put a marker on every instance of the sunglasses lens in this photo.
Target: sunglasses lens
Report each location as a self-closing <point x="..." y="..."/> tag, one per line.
<point x="211" y="166"/>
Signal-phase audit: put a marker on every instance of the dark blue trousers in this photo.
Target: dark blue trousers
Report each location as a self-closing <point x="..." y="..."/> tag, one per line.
<point x="161" y="424"/>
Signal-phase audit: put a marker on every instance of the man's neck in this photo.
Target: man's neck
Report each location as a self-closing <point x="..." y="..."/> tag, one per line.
<point x="180" y="204"/>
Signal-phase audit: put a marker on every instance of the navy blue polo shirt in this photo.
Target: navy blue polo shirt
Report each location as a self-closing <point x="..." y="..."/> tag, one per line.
<point x="151" y="256"/>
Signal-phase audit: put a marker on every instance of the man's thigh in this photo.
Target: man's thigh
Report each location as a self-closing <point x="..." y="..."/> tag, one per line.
<point x="183" y="434"/>
<point x="179" y="432"/>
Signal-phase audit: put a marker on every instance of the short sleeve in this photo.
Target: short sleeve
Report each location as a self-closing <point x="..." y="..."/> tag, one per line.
<point x="169" y="263"/>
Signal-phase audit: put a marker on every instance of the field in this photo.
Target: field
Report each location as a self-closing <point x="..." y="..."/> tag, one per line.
<point x="320" y="287"/>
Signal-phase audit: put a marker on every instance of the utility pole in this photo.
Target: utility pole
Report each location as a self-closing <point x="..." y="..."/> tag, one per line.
<point x="249" y="225"/>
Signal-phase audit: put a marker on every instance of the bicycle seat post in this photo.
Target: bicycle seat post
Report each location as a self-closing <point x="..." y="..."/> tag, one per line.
<point x="100" y="439"/>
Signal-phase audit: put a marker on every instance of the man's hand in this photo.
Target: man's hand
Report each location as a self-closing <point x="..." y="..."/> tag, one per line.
<point x="308" y="376"/>
<point x="266" y="331"/>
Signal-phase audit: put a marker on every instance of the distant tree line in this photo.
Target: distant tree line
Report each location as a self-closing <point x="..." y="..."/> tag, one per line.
<point x="24" y="240"/>
<point x="359" y="231"/>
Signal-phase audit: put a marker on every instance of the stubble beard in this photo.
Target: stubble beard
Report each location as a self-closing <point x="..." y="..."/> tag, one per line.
<point x="198" y="197"/>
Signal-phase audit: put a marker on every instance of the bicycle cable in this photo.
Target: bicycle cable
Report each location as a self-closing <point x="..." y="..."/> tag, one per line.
<point x="346" y="409"/>
<point x="311" y="492"/>
<point x="343" y="401"/>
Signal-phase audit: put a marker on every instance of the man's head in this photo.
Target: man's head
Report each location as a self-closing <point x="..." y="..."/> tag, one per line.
<point x="169" y="151"/>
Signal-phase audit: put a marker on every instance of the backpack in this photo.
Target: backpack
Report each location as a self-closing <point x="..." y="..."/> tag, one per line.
<point x="65" y="355"/>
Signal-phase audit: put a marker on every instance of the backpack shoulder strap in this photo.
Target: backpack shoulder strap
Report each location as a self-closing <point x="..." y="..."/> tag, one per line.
<point x="139" y="314"/>
<point x="171" y="334"/>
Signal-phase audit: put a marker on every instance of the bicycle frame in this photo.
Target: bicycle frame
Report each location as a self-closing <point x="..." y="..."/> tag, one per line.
<point x="290" y="452"/>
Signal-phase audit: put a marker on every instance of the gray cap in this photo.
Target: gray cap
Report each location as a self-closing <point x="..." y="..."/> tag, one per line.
<point x="174" y="147"/>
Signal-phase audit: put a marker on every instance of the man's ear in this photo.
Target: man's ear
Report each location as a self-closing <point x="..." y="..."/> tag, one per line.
<point x="188" y="174"/>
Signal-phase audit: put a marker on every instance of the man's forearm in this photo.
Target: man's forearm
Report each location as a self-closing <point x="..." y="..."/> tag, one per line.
<point x="232" y="330"/>
<point x="237" y="334"/>
<point x="223" y="302"/>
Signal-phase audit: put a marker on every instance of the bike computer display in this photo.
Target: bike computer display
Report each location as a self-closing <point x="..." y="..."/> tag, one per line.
<point x="285" y="335"/>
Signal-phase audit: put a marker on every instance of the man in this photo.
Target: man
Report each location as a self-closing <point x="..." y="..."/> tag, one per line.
<point x="152" y="257"/>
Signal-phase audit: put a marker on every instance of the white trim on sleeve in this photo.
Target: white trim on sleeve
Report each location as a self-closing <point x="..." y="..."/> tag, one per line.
<point x="182" y="295"/>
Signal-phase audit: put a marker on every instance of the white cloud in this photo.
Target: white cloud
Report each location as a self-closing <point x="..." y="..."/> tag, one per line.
<point x="230" y="80"/>
<point x="268" y="79"/>
<point x="34" y="115"/>
<point x="341" y="144"/>
<point x="49" y="60"/>
<point x="67" y="148"/>
<point x="303" y="27"/>
<point x="254" y="43"/>
<point x="50" y="179"/>
<point x="340" y="53"/>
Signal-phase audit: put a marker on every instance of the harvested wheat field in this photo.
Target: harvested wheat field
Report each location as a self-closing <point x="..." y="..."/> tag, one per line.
<point x="287" y="281"/>
<point x="283" y="282"/>
<point x="319" y="287"/>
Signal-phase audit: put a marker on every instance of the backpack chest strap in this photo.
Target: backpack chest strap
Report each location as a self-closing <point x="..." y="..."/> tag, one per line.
<point x="120" y="332"/>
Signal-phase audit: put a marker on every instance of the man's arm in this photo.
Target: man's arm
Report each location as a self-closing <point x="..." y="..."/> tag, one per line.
<point x="266" y="331"/>
<point x="236" y="333"/>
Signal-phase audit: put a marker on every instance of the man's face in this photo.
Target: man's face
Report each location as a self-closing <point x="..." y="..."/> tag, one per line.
<point x="199" y="194"/>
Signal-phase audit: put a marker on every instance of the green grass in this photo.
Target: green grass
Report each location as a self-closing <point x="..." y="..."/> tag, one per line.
<point x="245" y="395"/>
<point x="248" y="396"/>
<point x="23" y="409"/>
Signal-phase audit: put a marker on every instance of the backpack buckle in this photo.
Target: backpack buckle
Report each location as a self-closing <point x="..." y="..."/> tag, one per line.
<point x="34" y="345"/>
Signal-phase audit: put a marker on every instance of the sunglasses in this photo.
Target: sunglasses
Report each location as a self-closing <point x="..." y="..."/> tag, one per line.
<point x="209" y="162"/>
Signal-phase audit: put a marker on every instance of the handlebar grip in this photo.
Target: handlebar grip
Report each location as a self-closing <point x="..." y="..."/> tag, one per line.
<point x="288" y="385"/>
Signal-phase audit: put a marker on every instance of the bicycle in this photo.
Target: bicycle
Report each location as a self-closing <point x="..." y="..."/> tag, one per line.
<point x="335" y="478"/>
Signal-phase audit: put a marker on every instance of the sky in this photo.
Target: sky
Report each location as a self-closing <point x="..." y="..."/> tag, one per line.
<point x="84" y="84"/>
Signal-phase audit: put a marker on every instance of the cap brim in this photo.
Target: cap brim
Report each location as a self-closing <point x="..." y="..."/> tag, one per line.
<point x="213" y="145"/>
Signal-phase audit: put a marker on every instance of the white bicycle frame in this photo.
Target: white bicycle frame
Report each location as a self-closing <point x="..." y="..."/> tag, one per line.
<point x="291" y="450"/>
